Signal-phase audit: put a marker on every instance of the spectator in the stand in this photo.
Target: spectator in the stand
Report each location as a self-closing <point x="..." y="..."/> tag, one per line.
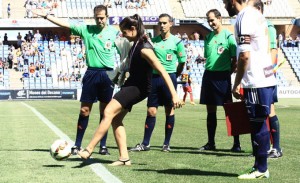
<point x="66" y="77"/>
<point x="78" y="76"/>
<point x="80" y="58"/>
<point x="8" y="10"/>
<point x="280" y="40"/>
<point x="20" y="60"/>
<point x="185" y="37"/>
<point x="48" y="72"/>
<point x="25" y="74"/>
<point x="31" y="36"/>
<point x="42" y="63"/>
<point x="63" y="53"/>
<point x="37" y="74"/>
<point x="289" y="40"/>
<point x="107" y="3"/>
<point x="130" y="4"/>
<point x="5" y="63"/>
<point x="142" y="4"/>
<point x="56" y="37"/>
<point x="26" y="55"/>
<point x="196" y="36"/>
<point x="63" y="37"/>
<point x="38" y="36"/>
<point x="10" y="58"/>
<point x="118" y="2"/>
<point x="72" y="39"/>
<point x="32" y="70"/>
<point x="1" y="64"/>
<point x="19" y="39"/>
<point x="1" y="77"/>
<point x="55" y="4"/>
<point x="5" y="40"/>
<point x="72" y="76"/>
<point x="178" y="35"/>
<point x="37" y="65"/>
<point x="20" y="64"/>
<point x="41" y="50"/>
<point x="51" y="46"/>
<point x="28" y="8"/>
<point x="44" y="4"/>
<point x="60" y="76"/>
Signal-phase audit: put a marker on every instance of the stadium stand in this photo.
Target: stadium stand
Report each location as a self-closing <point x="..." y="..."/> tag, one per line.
<point x="196" y="8"/>
<point x="292" y="54"/>
<point x="84" y="8"/>
<point x="64" y="60"/>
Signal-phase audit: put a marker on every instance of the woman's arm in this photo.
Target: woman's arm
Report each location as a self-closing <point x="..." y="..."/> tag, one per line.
<point x="149" y="55"/>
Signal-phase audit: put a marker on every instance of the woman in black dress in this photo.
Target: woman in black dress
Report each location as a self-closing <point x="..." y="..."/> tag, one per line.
<point x="142" y="60"/>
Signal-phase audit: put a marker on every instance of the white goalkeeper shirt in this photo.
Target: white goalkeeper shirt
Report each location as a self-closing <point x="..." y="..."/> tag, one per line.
<point x="251" y="31"/>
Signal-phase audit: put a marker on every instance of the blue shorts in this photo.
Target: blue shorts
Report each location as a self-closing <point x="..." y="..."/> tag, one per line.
<point x="160" y="94"/>
<point x="258" y="101"/>
<point x="216" y="88"/>
<point x="96" y="85"/>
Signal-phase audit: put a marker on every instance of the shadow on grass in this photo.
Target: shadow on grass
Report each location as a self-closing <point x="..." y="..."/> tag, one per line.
<point x="89" y="162"/>
<point x="53" y="166"/>
<point x="39" y="150"/>
<point x="189" y="172"/>
<point x="193" y="150"/>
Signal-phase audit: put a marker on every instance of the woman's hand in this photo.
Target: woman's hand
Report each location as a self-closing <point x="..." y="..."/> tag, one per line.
<point x="176" y="102"/>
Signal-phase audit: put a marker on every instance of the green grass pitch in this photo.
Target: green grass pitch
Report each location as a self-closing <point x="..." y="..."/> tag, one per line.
<point x="25" y="141"/>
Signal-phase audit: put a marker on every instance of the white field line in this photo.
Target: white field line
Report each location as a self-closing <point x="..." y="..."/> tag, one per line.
<point x="97" y="168"/>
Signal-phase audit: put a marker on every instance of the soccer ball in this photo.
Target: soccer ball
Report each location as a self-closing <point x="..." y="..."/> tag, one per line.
<point x="60" y="150"/>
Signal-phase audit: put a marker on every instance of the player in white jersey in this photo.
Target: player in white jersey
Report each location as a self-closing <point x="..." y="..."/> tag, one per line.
<point x="255" y="75"/>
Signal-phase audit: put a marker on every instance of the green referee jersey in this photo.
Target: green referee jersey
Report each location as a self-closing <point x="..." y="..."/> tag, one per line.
<point x="169" y="52"/>
<point x="100" y="44"/>
<point x="272" y="35"/>
<point x="218" y="50"/>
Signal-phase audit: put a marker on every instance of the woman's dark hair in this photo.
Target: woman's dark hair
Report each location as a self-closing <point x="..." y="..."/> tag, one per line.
<point x="135" y="21"/>
<point x="99" y="8"/>
<point x="215" y="12"/>
<point x="259" y="5"/>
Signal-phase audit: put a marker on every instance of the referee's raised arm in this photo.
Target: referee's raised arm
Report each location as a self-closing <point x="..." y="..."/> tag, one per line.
<point x="55" y="20"/>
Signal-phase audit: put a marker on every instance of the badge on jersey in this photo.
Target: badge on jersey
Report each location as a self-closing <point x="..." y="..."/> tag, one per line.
<point x="169" y="57"/>
<point x="220" y="49"/>
<point x="108" y="45"/>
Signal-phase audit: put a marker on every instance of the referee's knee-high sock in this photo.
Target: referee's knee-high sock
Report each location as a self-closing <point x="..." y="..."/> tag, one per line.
<point x="149" y="127"/>
<point x="236" y="140"/>
<point x="103" y="140"/>
<point x="211" y="122"/>
<point x="170" y="121"/>
<point x="261" y="144"/>
<point x="81" y="127"/>
<point x="275" y="132"/>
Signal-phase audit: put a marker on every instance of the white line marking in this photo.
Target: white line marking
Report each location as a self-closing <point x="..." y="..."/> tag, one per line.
<point x="97" y="168"/>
